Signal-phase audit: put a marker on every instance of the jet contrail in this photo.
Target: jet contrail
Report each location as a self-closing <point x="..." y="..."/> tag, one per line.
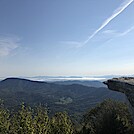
<point x="118" y="11"/>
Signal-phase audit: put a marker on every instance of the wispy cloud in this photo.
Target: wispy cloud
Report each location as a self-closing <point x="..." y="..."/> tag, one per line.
<point x="109" y="31"/>
<point x="109" y="35"/>
<point x="71" y="43"/>
<point x="114" y="33"/>
<point x="127" y="31"/>
<point x="116" y="12"/>
<point x="8" y="44"/>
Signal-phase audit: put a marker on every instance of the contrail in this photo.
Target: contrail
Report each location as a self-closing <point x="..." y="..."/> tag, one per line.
<point x="118" y="11"/>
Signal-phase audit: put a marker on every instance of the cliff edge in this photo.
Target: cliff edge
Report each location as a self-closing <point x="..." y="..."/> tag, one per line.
<point x="124" y="85"/>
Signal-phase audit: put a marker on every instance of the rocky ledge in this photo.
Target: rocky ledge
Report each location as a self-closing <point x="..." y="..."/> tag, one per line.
<point x="124" y="85"/>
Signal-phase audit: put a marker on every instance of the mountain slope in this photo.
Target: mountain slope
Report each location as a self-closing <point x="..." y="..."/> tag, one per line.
<point x="88" y="83"/>
<point x="74" y="98"/>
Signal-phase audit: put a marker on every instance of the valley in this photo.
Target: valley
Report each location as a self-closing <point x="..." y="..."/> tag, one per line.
<point x="75" y="97"/>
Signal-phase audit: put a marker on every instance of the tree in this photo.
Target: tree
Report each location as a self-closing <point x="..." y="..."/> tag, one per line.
<point x="22" y="121"/>
<point x="109" y="117"/>
<point x="4" y="119"/>
<point x="61" y="124"/>
<point x="41" y="121"/>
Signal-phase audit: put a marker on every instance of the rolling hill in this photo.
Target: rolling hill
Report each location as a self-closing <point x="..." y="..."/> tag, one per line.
<point x="75" y="98"/>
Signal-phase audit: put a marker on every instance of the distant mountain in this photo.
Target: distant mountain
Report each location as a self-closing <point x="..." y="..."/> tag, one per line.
<point x="81" y="82"/>
<point x="70" y="97"/>
<point x="72" y="78"/>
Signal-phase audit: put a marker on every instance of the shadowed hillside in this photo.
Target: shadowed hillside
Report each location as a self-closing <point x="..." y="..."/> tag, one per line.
<point x="74" y="98"/>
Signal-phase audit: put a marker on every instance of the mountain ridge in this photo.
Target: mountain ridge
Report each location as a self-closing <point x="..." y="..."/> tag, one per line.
<point x="74" y="98"/>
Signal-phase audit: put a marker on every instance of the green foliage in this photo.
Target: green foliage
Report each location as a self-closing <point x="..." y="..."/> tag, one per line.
<point x="4" y="119"/>
<point x="61" y="124"/>
<point x="22" y="121"/>
<point x="37" y="121"/>
<point x="41" y="121"/>
<point x="110" y="117"/>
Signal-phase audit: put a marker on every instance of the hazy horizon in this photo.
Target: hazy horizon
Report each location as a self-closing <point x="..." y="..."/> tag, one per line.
<point x="68" y="78"/>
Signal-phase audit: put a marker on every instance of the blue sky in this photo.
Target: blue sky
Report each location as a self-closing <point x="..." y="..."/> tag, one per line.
<point x="66" y="37"/>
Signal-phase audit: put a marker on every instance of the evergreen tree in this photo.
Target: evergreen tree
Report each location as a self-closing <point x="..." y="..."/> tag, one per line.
<point x="109" y="117"/>
<point x="41" y="121"/>
<point x="61" y="124"/>
<point x="4" y="119"/>
<point x="22" y="121"/>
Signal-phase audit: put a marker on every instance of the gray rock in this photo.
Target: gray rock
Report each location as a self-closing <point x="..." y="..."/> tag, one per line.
<point x="124" y="85"/>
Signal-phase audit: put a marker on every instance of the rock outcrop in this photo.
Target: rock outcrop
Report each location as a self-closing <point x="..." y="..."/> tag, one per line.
<point x="124" y="85"/>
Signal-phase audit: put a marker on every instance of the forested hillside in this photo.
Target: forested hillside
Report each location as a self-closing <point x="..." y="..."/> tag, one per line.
<point x="73" y="98"/>
<point x="109" y="117"/>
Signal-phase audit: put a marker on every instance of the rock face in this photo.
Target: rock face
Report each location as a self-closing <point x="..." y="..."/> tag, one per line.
<point x="124" y="85"/>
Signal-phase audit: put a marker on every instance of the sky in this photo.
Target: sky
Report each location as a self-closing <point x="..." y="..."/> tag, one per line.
<point x="66" y="37"/>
